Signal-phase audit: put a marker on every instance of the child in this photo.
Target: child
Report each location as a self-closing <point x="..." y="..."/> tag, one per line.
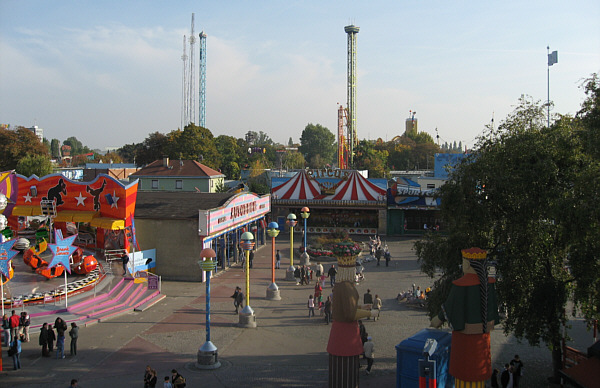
<point x="167" y="383"/>
<point x="311" y="306"/>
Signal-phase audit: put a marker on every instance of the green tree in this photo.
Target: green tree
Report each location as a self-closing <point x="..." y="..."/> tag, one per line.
<point x="77" y="148"/>
<point x="317" y="140"/>
<point x="293" y="160"/>
<point x="194" y="143"/>
<point x="520" y="195"/>
<point x="372" y="157"/>
<point x="128" y="152"/>
<point x="15" y="145"/>
<point x="39" y="165"/>
<point x="55" y="148"/>
<point x="152" y="148"/>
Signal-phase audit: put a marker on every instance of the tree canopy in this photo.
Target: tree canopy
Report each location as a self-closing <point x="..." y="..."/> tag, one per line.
<point x="525" y="194"/>
<point x="317" y="145"/>
<point x="15" y="145"/>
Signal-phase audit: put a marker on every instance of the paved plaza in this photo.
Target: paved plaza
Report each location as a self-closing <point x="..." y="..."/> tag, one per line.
<point x="286" y="349"/>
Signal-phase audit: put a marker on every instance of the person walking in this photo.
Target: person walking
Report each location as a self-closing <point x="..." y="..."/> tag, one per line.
<point x="177" y="380"/>
<point x="377" y="306"/>
<point x="327" y="310"/>
<point x="387" y="255"/>
<point x="297" y="274"/>
<point x="378" y="254"/>
<point x="506" y="377"/>
<point x="6" y="330"/>
<point x="150" y="378"/>
<point x="51" y="338"/>
<point x="517" y="366"/>
<point x="331" y="274"/>
<point x="369" y="348"/>
<point x="235" y="299"/>
<point x="277" y="260"/>
<point x="311" y="306"/>
<point x="44" y="340"/>
<point x="251" y="258"/>
<point x="15" y="350"/>
<point x="240" y="299"/>
<point x="61" y="327"/>
<point x="368" y="297"/>
<point x="74" y="334"/>
<point x="302" y="275"/>
<point x="362" y="331"/>
<point x="319" y="270"/>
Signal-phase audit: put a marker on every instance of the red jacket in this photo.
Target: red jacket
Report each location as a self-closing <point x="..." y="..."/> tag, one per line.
<point x="14" y="321"/>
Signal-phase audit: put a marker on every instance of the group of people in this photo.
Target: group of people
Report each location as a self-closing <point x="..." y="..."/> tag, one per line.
<point x="373" y="304"/>
<point x="510" y="376"/>
<point x="368" y="346"/>
<point x="303" y="274"/>
<point x="175" y="381"/>
<point x="16" y="332"/>
<point x="377" y="250"/>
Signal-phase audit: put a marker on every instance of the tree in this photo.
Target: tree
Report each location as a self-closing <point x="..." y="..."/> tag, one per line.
<point x="39" y="165"/>
<point x="15" y="145"/>
<point x="290" y="142"/>
<point x="194" y="143"/>
<point x="55" y="148"/>
<point x="317" y="140"/>
<point x="128" y="152"/>
<point x="77" y="147"/>
<point x="293" y="160"/>
<point x="371" y="157"/>
<point x="152" y="148"/>
<point x="520" y="195"/>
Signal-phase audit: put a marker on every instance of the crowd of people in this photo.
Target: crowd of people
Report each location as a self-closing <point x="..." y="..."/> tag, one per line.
<point x="511" y="374"/>
<point x="151" y="379"/>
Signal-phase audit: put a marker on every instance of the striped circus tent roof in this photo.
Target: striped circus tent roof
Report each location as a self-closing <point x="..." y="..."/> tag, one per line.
<point x="358" y="188"/>
<point x="300" y="186"/>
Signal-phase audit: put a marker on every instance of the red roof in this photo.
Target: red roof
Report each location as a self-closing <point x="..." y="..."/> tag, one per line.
<point x="300" y="186"/>
<point x="188" y="168"/>
<point x="358" y="188"/>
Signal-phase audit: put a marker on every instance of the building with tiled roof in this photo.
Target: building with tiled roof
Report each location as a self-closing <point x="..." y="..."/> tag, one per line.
<point x="178" y="175"/>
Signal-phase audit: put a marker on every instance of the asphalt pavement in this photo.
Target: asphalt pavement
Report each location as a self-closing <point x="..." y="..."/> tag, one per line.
<point x="286" y="349"/>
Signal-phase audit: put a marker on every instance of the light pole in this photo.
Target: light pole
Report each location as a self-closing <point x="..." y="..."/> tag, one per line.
<point x="291" y="222"/>
<point x="246" y="316"/>
<point x="305" y="213"/>
<point x="273" y="290"/>
<point x="207" y="354"/>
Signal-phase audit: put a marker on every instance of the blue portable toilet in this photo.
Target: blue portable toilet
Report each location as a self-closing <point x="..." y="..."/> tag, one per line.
<point x="410" y="351"/>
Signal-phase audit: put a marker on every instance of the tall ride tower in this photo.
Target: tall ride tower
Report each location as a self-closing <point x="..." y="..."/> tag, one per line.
<point x="352" y="31"/>
<point x="202" y="91"/>
<point x="192" y="75"/>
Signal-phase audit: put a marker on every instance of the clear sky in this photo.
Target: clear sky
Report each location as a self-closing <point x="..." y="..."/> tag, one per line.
<point x="110" y="72"/>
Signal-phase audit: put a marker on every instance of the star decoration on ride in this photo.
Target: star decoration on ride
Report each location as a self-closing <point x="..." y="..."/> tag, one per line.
<point x="80" y="199"/>
<point x="62" y="250"/>
<point x="112" y="199"/>
<point x="27" y="197"/>
<point x="6" y="255"/>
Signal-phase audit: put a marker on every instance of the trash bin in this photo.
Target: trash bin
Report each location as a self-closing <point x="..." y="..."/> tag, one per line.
<point x="410" y="351"/>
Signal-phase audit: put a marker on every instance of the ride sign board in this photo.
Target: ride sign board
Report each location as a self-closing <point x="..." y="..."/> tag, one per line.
<point x="240" y="209"/>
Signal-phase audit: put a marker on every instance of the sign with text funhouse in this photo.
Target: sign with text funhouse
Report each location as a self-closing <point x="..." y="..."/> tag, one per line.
<point x="240" y="209"/>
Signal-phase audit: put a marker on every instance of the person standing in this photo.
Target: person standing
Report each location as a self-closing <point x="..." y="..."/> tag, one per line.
<point x="124" y="261"/>
<point x="297" y="274"/>
<point x="378" y="254"/>
<point x="387" y="255"/>
<point x="506" y="377"/>
<point x="495" y="378"/>
<point x="167" y="383"/>
<point x="331" y="274"/>
<point x="240" y="299"/>
<point x="517" y="366"/>
<point x="368" y="297"/>
<point x="24" y="323"/>
<point x="16" y="351"/>
<point x="319" y="270"/>
<point x="377" y="306"/>
<point x="61" y="327"/>
<point x="177" y="380"/>
<point x="74" y="334"/>
<point x="51" y="338"/>
<point x="311" y="306"/>
<point x="302" y="275"/>
<point x="369" y="348"/>
<point x="251" y="258"/>
<point x="44" y="340"/>
<point x="6" y="330"/>
<point x="277" y="260"/>
<point x="327" y="310"/>
<point x="14" y="326"/>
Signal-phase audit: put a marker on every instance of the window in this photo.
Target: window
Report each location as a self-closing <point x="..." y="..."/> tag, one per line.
<point x="431" y="185"/>
<point x="155" y="183"/>
<point x="178" y="184"/>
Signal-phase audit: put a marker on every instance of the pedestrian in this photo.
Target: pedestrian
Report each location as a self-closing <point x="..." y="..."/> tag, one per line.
<point x="302" y="275"/>
<point x="74" y="383"/>
<point x="177" y="380"/>
<point x="311" y="306"/>
<point x="297" y="274"/>
<point x="14" y="326"/>
<point x="506" y="377"/>
<point x="387" y="255"/>
<point x="495" y="378"/>
<point x="319" y="270"/>
<point x="378" y="254"/>
<point x="517" y="366"/>
<point x="167" y="382"/>
<point x="318" y="295"/>
<point x="368" y="297"/>
<point x="125" y="261"/>
<point x="369" y="348"/>
<point x="327" y="310"/>
<point x="277" y="260"/>
<point x="74" y="334"/>
<point x="377" y="306"/>
<point x="362" y="330"/>
<point x="25" y="322"/>
<point x="331" y="274"/>
<point x="6" y="330"/>
<point x="51" y="338"/>
<point x="44" y="340"/>
<point x="235" y="299"/>
<point x="150" y="378"/>
<point x="15" y="351"/>
<point x="240" y="298"/>
<point x="61" y="327"/>
<point x="251" y="258"/>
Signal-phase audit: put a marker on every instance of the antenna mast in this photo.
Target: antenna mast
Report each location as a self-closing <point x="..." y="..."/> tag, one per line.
<point x="202" y="113"/>
<point x="192" y="76"/>
<point x="184" y="87"/>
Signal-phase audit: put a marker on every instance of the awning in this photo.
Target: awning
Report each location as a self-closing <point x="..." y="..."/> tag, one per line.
<point x="27" y="211"/>
<point x="108" y="223"/>
<point x="64" y="216"/>
<point x="81" y="216"/>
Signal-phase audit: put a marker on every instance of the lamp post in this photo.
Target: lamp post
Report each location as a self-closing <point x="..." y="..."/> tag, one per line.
<point x="273" y="290"/>
<point x="246" y="316"/>
<point x="291" y="222"/>
<point x="305" y="213"/>
<point x="207" y="354"/>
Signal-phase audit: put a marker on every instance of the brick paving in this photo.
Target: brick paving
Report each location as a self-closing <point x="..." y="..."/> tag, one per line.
<point x="286" y="349"/>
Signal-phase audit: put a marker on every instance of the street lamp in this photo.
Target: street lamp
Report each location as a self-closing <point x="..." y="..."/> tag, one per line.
<point x="305" y="213"/>
<point x="291" y="222"/>
<point x="246" y="316"/>
<point x="207" y="354"/>
<point x="273" y="290"/>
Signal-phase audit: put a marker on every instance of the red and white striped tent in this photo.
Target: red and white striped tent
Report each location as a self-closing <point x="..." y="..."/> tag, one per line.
<point x="300" y="186"/>
<point x="358" y="188"/>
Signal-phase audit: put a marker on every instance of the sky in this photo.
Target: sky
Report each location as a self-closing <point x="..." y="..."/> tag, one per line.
<point x="110" y="72"/>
